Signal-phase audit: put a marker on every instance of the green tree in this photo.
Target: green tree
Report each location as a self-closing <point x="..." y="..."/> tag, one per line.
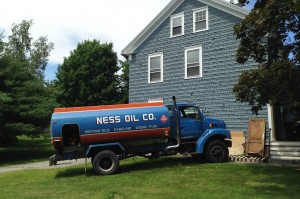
<point x="270" y="35"/>
<point x="22" y="46"/>
<point x="88" y="76"/>
<point x="124" y="82"/>
<point x="25" y="100"/>
<point x="4" y="98"/>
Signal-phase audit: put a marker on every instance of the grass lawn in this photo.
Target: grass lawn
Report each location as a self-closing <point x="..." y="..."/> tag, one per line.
<point x="27" y="150"/>
<point x="170" y="177"/>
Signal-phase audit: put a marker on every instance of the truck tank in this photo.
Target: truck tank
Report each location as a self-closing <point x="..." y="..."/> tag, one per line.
<point x="82" y="126"/>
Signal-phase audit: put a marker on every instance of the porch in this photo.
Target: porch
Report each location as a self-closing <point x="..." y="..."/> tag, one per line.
<point x="285" y="151"/>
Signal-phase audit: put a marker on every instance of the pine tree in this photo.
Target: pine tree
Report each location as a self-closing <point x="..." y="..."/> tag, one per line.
<point x="26" y="102"/>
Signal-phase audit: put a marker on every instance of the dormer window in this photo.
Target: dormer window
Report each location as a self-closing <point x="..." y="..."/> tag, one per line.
<point x="177" y="25"/>
<point x="200" y="19"/>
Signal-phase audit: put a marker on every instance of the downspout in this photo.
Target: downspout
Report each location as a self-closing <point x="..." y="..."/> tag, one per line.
<point x="177" y="127"/>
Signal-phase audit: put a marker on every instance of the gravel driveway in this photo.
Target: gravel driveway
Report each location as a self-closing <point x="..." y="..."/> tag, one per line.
<point x="40" y="165"/>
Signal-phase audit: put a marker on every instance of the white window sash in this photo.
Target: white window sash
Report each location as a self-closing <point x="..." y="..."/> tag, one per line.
<point x="193" y="65"/>
<point x="195" y="21"/>
<point x="172" y="26"/>
<point x="155" y="70"/>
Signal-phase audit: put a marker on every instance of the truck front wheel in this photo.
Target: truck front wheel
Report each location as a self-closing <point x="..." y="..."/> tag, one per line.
<point x="105" y="163"/>
<point x="216" y="151"/>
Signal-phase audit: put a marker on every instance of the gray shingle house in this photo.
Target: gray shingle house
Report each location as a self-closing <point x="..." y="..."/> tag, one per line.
<point x="188" y="51"/>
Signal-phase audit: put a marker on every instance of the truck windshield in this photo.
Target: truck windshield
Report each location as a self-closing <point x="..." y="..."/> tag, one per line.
<point x="189" y="112"/>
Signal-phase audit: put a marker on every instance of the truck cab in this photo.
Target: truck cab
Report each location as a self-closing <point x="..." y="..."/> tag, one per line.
<point x="199" y="135"/>
<point x="192" y="122"/>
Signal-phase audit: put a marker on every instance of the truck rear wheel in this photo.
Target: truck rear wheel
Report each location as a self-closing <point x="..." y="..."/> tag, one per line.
<point x="216" y="151"/>
<point x="105" y="163"/>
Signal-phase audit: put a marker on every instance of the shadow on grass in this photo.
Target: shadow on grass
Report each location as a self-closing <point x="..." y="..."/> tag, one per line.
<point x="140" y="164"/>
<point x="25" y="151"/>
<point x="73" y="172"/>
<point x="166" y="162"/>
<point x="279" y="181"/>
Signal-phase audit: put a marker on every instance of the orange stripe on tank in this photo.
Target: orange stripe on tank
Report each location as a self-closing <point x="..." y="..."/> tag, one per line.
<point x="107" y="107"/>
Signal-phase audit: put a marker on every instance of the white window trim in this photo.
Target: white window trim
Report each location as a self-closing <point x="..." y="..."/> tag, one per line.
<point x="171" y="24"/>
<point x="194" y="18"/>
<point x="161" y="55"/>
<point x="200" y="61"/>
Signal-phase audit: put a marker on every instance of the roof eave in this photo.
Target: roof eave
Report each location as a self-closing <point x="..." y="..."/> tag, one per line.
<point x="232" y="9"/>
<point x="151" y="27"/>
<point x="168" y="10"/>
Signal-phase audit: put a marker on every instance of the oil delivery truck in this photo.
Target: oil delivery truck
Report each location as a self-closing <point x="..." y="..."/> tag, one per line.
<point x="109" y="133"/>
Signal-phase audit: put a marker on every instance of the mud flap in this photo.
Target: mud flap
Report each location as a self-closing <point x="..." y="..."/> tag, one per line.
<point x="52" y="160"/>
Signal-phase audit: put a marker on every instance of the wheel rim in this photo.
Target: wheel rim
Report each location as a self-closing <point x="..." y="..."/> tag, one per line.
<point x="106" y="164"/>
<point x="217" y="152"/>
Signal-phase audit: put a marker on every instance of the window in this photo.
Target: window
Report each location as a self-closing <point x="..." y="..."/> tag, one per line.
<point x="193" y="62"/>
<point x="155" y="68"/>
<point x="177" y="25"/>
<point x="200" y="18"/>
<point x="189" y="112"/>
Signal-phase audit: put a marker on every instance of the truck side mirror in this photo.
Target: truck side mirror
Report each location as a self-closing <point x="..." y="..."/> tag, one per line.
<point x="198" y="117"/>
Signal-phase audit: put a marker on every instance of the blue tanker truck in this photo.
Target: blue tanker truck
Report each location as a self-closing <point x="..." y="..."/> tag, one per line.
<point x="109" y="133"/>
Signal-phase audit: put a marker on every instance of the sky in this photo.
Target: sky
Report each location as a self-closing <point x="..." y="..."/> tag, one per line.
<point x="67" y="23"/>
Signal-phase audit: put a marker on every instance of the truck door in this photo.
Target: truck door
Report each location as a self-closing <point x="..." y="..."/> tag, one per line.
<point x="191" y="123"/>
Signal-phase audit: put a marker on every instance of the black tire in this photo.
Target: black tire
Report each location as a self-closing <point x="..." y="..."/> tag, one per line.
<point x="216" y="151"/>
<point x="105" y="163"/>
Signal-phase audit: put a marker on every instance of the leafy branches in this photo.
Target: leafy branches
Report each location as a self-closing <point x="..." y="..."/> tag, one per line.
<point x="24" y="96"/>
<point x="270" y="35"/>
<point x="22" y="46"/>
<point x="89" y="75"/>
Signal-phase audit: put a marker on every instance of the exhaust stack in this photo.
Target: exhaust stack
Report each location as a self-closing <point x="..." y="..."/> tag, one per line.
<point x="177" y="127"/>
